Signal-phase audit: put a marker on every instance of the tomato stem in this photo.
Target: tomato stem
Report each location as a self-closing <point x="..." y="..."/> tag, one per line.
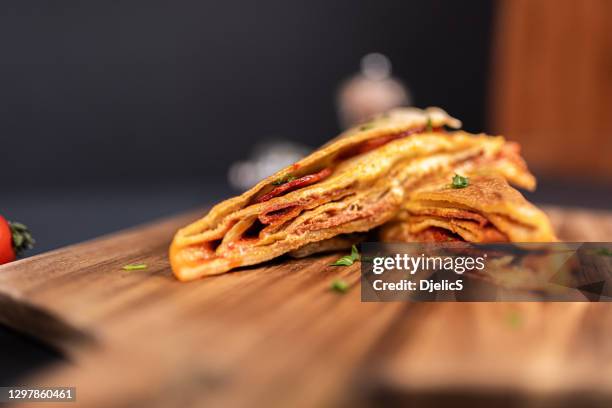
<point x="22" y="237"/>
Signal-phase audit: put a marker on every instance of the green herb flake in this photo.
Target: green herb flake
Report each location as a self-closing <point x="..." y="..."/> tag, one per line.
<point x="348" y="260"/>
<point x="135" y="267"/>
<point x="283" y="180"/>
<point x="429" y="125"/>
<point x="366" y="126"/>
<point x="603" y="251"/>
<point x="355" y="253"/>
<point x="514" y="320"/>
<point x="344" y="261"/>
<point x="460" y="181"/>
<point x="339" y="285"/>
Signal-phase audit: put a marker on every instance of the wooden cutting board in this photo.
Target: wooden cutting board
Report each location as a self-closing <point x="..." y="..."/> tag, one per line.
<point x="277" y="335"/>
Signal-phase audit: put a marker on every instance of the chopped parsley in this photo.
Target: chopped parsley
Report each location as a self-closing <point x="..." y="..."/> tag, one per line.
<point x="344" y="261"/>
<point x="514" y="319"/>
<point x="348" y="260"/>
<point x="366" y="126"/>
<point x="284" y="180"/>
<point x="603" y="251"/>
<point x="429" y="125"/>
<point x="355" y="253"/>
<point x="460" y="181"/>
<point x="135" y="267"/>
<point x="339" y="285"/>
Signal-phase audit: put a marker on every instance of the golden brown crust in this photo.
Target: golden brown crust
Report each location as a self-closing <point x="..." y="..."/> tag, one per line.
<point x="340" y="242"/>
<point x="367" y="172"/>
<point x="220" y="241"/>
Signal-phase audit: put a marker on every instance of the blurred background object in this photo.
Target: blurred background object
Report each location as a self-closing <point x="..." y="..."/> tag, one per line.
<point x="371" y="91"/>
<point x="359" y="98"/>
<point x="266" y="159"/>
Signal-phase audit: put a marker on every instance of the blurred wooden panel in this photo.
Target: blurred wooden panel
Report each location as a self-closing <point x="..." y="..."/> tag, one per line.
<point x="551" y="86"/>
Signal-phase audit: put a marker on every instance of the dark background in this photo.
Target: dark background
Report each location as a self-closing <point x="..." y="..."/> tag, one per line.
<point x="151" y="91"/>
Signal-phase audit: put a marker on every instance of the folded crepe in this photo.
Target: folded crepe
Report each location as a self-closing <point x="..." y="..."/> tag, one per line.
<point x="488" y="209"/>
<point x="505" y="162"/>
<point x="352" y="184"/>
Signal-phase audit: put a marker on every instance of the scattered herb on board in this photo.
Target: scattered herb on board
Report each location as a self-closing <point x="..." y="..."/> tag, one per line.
<point x="344" y="261"/>
<point x="134" y="267"/>
<point x="283" y="180"/>
<point x="460" y="181"/>
<point x="429" y="125"/>
<point x="515" y="319"/>
<point x="348" y="260"/>
<point x="366" y="126"/>
<point x="603" y="251"/>
<point x="355" y="253"/>
<point x="339" y="285"/>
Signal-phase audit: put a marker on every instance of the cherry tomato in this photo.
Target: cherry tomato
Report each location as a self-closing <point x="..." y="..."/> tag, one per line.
<point x="7" y="252"/>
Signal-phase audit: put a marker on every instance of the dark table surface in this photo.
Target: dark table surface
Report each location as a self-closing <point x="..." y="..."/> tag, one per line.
<point x="61" y="217"/>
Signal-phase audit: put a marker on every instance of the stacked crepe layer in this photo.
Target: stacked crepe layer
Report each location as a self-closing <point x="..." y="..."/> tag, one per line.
<point x="487" y="210"/>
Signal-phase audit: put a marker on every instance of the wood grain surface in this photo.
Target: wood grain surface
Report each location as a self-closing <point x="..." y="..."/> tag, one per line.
<point x="276" y="335"/>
